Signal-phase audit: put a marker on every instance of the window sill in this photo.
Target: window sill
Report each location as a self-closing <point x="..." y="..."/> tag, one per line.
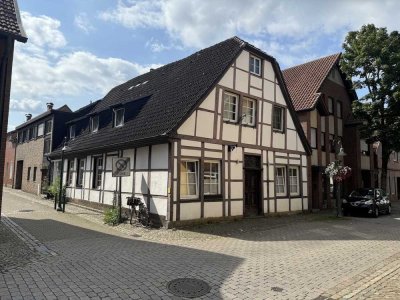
<point x="249" y="125"/>
<point x="231" y="122"/>
<point x="255" y="74"/>
<point x="213" y="197"/>
<point x="278" y="131"/>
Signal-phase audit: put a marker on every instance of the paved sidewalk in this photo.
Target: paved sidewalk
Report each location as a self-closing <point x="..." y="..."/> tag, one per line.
<point x="297" y="257"/>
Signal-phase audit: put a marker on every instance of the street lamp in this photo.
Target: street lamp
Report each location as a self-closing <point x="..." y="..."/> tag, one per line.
<point x="64" y="148"/>
<point x="340" y="155"/>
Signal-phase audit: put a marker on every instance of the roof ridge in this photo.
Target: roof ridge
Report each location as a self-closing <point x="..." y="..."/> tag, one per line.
<point x="313" y="61"/>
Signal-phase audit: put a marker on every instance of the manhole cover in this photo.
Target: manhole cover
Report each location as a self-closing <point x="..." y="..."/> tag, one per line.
<point x="188" y="287"/>
<point x="26" y="210"/>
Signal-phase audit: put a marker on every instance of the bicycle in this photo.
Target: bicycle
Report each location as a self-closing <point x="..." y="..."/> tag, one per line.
<point x="139" y="209"/>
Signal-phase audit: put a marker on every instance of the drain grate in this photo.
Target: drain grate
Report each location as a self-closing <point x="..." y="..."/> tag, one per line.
<point x="277" y="289"/>
<point x="26" y="210"/>
<point x="188" y="287"/>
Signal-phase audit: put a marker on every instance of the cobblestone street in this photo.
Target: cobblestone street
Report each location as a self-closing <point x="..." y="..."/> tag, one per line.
<point x="50" y="255"/>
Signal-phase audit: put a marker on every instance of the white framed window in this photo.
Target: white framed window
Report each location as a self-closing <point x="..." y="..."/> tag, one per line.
<point x="94" y="124"/>
<point x="189" y="186"/>
<point x="72" y="131"/>
<point x="330" y="105"/>
<point x="231" y="107"/>
<point x="278" y="118"/>
<point x="313" y="140"/>
<point x="47" y="146"/>
<point x="80" y="170"/>
<point x="255" y="65"/>
<point x="249" y="111"/>
<point x="48" y="126"/>
<point x="280" y="180"/>
<point x="211" y="176"/>
<point x="70" y="172"/>
<point x="97" y="172"/>
<point x="294" y="181"/>
<point x="119" y="117"/>
<point x="40" y="130"/>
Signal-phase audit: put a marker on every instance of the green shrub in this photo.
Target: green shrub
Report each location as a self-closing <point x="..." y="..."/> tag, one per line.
<point x="111" y="216"/>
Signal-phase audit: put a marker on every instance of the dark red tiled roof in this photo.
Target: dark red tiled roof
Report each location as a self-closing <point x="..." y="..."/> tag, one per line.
<point x="10" y="21"/>
<point x="304" y="81"/>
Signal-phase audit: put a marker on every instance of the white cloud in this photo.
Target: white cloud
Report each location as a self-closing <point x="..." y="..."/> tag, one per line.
<point x="199" y="23"/>
<point x="24" y="105"/>
<point x="82" y="22"/>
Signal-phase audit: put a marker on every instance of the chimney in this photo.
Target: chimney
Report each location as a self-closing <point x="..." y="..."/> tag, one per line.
<point x="151" y="69"/>
<point x="49" y="105"/>
<point x="28" y="117"/>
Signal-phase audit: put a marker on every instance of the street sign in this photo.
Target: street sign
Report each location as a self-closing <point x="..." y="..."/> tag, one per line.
<point x="121" y="166"/>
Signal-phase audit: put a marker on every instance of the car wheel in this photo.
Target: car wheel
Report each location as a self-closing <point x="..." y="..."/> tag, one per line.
<point x="389" y="210"/>
<point x="376" y="212"/>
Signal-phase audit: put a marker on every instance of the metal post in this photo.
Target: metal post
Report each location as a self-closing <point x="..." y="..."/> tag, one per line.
<point x="61" y="181"/>
<point x="120" y="200"/>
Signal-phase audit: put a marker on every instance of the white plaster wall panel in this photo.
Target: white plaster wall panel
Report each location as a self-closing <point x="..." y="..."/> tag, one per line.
<point x="252" y="151"/>
<point x="220" y="99"/>
<point x="295" y="204"/>
<point x="314" y="158"/>
<point x="243" y="60"/>
<point x="237" y="190"/>
<point x="212" y="146"/>
<point x="86" y="195"/>
<point x="267" y="113"/>
<point x="109" y="160"/>
<point x="282" y="205"/>
<point x="305" y="203"/>
<point x="94" y="196"/>
<point x="176" y="148"/>
<point x="236" y="170"/>
<point x="279" y="96"/>
<point x="68" y="192"/>
<point x="190" y="143"/>
<point x="212" y="154"/>
<point x="158" y="205"/>
<point x="175" y="168"/>
<point x="209" y="102"/>
<point x="227" y="79"/>
<point x="271" y="188"/>
<point x="226" y="190"/>
<point x="87" y="180"/>
<point x="295" y="162"/>
<point x="265" y="206"/>
<point x="270" y="157"/>
<point x="127" y="183"/>
<point x="313" y="118"/>
<point x="108" y="198"/>
<point x="291" y="142"/>
<point x="174" y="212"/>
<point x="278" y="140"/>
<point x="331" y="124"/>
<point x="79" y="194"/>
<point x="264" y="155"/>
<point x="281" y="154"/>
<point x="141" y="184"/>
<point x="269" y="90"/>
<point x="159" y="156"/>
<point x="159" y="183"/>
<point x="269" y="71"/>
<point x="300" y="146"/>
<point x="265" y="189"/>
<point x="249" y="135"/>
<point x="142" y="158"/>
<point x="290" y="123"/>
<point x="236" y="208"/>
<point x="242" y="81"/>
<point x="365" y="162"/>
<point x="304" y="173"/>
<point x="109" y="182"/>
<point x="237" y="154"/>
<point x="175" y="191"/>
<point x="305" y="189"/>
<point x="281" y="161"/>
<point x="265" y="174"/>
<point x="188" y="126"/>
<point x="272" y="206"/>
<point x="256" y="81"/>
<point x="271" y="172"/>
<point x="205" y="124"/>
<point x="294" y="155"/>
<point x="213" y="209"/>
<point x="230" y="132"/>
<point x="226" y="208"/>
<point x="190" y="152"/>
<point x="259" y="111"/>
<point x="131" y="154"/>
<point x="340" y="127"/>
<point x="266" y="136"/>
<point x="256" y="93"/>
<point x="304" y="160"/>
<point x="218" y="136"/>
<point x="190" y="211"/>
<point x="322" y="124"/>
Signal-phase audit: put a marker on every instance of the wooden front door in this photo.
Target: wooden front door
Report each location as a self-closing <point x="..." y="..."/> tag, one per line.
<point x="18" y="175"/>
<point x="252" y="186"/>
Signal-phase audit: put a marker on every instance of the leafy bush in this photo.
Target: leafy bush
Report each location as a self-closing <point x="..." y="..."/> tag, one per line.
<point x="111" y="216"/>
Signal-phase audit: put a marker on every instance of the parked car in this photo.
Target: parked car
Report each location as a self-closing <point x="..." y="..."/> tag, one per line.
<point x="369" y="201"/>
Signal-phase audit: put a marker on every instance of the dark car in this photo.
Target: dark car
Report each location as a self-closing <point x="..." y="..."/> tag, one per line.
<point x="369" y="201"/>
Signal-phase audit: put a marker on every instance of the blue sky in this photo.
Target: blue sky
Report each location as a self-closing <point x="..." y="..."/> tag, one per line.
<point x="78" y="50"/>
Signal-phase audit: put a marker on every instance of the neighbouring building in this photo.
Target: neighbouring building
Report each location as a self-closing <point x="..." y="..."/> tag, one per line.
<point x="11" y="29"/>
<point x="322" y="98"/>
<point x="212" y="135"/>
<point x="9" y="159"/>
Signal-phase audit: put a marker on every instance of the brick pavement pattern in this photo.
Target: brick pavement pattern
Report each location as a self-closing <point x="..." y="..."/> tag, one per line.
<point x="297" y="257"/>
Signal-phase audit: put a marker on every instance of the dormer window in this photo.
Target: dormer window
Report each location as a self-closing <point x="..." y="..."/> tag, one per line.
<point x="72" y="131"/>
<point x="94" y="124"/>
<point x="119" y="117"/>
<point x="255" y="65"/>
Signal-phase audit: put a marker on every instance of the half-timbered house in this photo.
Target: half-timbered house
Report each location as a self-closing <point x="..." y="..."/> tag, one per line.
<point x="212" y="135"/>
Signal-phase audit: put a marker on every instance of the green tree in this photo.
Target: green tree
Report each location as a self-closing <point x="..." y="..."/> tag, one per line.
<point x="371" y="59"/>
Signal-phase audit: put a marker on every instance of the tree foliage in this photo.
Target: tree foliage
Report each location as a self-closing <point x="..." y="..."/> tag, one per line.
<point x="371" y="59"/>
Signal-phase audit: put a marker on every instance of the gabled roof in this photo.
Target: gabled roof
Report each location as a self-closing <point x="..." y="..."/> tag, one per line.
<point x="160" y="100"/>
<point x="10" y="20"/>
<point x="304" y="81"/>
<point x="62" y="109"/>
